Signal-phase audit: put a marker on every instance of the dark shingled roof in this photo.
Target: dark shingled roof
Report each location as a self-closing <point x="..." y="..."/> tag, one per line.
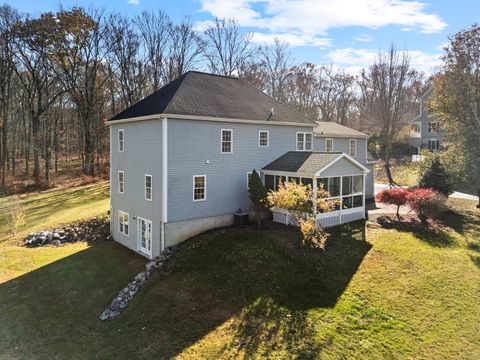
<point x="305" y="162"/>
<point x="201" y="94"/>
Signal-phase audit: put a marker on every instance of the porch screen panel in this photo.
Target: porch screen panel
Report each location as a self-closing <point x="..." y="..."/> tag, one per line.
<point x="269" y="182"/>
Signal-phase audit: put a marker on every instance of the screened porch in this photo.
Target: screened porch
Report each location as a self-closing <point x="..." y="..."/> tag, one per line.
<point x="341" y="176"/>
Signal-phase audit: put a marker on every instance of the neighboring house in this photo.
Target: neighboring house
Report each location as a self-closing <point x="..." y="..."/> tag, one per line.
<point x="181" y="159"/>
<point x="427" y="132"/>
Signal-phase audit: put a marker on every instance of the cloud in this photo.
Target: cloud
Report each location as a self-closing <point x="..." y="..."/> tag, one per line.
<point x="353" y="60"/>
<point x="310" y="20"/>
<point x="364" y="37"/>
<point x="134" y="2"/>
<point x="292" y="39"/>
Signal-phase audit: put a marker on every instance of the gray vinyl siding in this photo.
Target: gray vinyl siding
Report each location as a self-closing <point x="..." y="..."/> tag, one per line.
<point x="142" y="155"/>
<point x="369" y="183"/>
<point x="194" y="149"/>
<point x="343" y="145"/>
<point x="424" y="119"/>
<point x="342" y="167"/>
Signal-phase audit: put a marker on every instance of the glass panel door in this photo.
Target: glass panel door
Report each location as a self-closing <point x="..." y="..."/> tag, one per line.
<point x="145" y="235"/>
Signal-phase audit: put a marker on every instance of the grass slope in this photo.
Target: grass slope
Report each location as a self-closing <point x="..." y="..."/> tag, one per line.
<point x="44" y="211"/>
<point x="373" y="294"/>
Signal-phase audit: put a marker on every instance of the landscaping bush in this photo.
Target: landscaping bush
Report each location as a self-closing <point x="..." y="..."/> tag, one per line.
<point x="395" y="196"/>
<point x="313" y="235"/>
<point x="426" y="203"/>
<point x="14" y="216"/>
<point x="298" y="199"/>
<point x="437" y="177"/>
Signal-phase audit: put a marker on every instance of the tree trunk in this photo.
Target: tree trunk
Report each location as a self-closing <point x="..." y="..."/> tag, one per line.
<point x="391" y="182"/>
<point x="36" y="148"/>
<point x="89" y="168"/>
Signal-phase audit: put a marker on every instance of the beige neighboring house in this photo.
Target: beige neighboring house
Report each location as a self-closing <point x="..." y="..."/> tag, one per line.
<point x="427" y="132"/>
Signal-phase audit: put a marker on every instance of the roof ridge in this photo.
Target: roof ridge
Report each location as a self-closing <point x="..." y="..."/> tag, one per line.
<point x="212" y="74"/>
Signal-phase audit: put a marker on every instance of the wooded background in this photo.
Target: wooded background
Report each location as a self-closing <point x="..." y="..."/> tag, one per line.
<point x="63" y="74"/>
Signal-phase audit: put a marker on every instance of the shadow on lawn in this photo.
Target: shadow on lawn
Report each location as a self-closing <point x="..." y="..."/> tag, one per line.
<point x="258" y="285"/>
<point x="436" y="234"/>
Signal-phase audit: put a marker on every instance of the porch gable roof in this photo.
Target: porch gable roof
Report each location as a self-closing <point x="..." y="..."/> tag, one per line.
<point x="308" y="163"/>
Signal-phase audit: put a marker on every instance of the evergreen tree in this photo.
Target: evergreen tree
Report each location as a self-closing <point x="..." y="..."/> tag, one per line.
<point x="258" y="195"/>
<point x="437" y="178"/>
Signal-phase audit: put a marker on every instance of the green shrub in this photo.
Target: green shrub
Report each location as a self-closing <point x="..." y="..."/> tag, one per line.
<point x="436" y="177"/>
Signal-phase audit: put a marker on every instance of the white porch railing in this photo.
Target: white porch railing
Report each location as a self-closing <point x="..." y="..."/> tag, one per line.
<point x="416" y="158"/>
<point x="325" y="220"/>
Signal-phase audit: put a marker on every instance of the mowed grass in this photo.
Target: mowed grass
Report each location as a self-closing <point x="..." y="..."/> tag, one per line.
<point x="243" y="293"/>
<point x="404" y="174"/>
<point x="45" y="211"/>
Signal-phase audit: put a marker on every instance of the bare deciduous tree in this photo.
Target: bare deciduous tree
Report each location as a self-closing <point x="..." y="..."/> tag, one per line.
<point x="226" y="49"/>
<point x="276" y="60"/>
<point x="388" y="87"/>
<point x="8" y="18"/>
<point x="154" y="28"/>
<point x="80" y="48"/>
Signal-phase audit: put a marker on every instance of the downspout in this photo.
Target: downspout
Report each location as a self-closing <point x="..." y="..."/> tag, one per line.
<point x="164" y="183"/>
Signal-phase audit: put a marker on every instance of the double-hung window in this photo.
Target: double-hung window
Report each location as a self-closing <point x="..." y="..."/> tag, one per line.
<point x="148" y="187"/>
<point x="121" y="140"/>
<point x="263" y="138"/>
<point x="433" y="126"/>
<point x="329" y="145"/>
<point x="199" y="187"/>
<point x="121" y="182"/>
<point x="304" y="141"/>
<point x="352" y="149"/>
<point x="227" y="141"/>
<point x="123" y="222"/>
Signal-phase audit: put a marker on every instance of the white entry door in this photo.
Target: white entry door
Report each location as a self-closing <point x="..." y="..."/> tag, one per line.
<point x="145" y="235"/>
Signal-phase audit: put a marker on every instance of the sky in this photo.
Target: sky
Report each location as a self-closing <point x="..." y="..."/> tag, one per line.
<point x="346" y="33"/>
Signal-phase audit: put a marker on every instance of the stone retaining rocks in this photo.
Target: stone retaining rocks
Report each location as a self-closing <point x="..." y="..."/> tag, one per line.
<point x="125" y="295"/>
<point x="97" y="228"/>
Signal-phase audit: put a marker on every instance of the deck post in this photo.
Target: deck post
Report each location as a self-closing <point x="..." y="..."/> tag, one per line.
<point x="341" y="200"/>
<point x="363" y="193"/>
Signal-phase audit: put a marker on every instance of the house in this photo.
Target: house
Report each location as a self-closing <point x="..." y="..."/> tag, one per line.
<point x="427" y="132"/>
<point x="181" y="159"/>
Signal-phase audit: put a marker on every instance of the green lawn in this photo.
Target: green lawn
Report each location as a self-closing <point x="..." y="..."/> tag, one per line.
<point x="405" y="174"/>
<point x="45" y="211"/>
<point x="373" y="294"/>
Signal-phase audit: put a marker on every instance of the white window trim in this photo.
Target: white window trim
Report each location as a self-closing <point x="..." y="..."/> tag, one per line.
<point x="151" y="187"/>
<point x="326" y="142"/>
<point x="123" y="140"/>
<point x="123" y="213"/>
<point x="204" y="188"/>
<point x="350" y="147"/>
<point x="231" y="141"/>
<point x="118" y="181"/>
<point x="304" y="142"/>
<point x="268" y="138"/>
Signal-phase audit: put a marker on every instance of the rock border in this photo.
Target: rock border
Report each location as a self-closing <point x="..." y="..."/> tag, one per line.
<point x="125" y="295"/>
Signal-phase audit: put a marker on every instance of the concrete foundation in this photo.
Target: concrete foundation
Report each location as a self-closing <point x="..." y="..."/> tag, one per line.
<point x="179" y="231"/>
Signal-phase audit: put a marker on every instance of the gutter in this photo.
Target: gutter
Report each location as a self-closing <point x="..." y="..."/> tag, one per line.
<point x="206" y="118"/>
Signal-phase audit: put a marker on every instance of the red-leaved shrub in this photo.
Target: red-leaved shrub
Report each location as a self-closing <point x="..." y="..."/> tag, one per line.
<point x="426" y="203"/>
<point x="395" y="196"/>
